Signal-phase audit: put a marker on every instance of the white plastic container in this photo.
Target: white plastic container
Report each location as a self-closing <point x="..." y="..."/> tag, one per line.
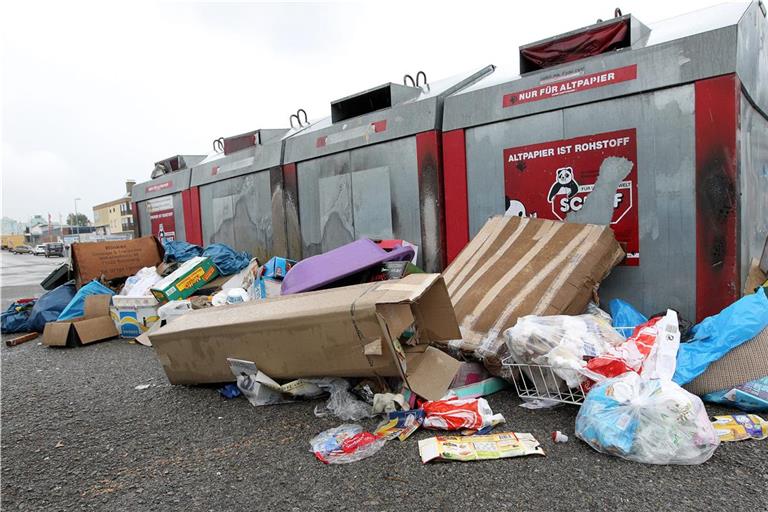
<point x="134" y="315"/>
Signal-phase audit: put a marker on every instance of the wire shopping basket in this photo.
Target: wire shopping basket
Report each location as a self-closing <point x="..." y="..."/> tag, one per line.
<point x="539" y="381"/>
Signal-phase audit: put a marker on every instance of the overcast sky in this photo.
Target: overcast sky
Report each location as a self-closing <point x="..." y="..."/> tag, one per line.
<point x="92" y="95"/>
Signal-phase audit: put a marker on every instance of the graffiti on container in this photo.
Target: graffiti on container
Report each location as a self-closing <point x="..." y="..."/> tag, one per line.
<point x="590" y="179"/>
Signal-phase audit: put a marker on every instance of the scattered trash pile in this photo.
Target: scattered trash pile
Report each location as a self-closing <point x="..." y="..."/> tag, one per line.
<point x="364" y="331"/>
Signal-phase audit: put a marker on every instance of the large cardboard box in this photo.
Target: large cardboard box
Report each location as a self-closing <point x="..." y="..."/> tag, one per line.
<point x="517" y="266"/>
<point x="114" y="259"/>
<point x="95" y="325"/>
<point x="352" y="331"/>
<point x="192" y="275"/>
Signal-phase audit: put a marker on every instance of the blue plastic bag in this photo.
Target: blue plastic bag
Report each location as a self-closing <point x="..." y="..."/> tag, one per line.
<point x="76" y="307"/>
<point x="625" y="317"/>
<point x="16" y="318"/>
<point x="50" y="305"/>
<point x="227" y="260"/>
<point x="716" y="335"/>
<point x="176" y="250"/>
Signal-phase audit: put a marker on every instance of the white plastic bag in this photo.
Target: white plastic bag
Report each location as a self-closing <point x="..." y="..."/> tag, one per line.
<point x="562" y="342"/>
<point x="653" y="421"/>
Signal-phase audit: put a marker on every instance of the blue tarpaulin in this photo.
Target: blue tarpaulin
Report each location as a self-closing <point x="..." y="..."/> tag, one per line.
<point x="76" y="307"/>
<point x="176" y="250"/>
<point x="716" y="335"/>
<point x="50" y="305"/>
<point x="227" y="260"/>
<point x="16" y="318"/>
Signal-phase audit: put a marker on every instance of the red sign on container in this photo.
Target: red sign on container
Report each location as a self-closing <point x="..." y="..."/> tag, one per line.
<point x="554" y="179"/>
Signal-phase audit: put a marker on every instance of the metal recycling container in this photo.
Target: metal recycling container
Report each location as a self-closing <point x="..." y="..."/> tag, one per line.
<point x="681" y="106"/>
<point x="241" y="194"/>
<point x="164" y="206"/>
<point x="373" y="169"/>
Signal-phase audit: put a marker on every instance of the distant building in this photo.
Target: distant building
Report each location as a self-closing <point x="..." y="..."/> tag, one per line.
<point x="12" y="227"/>
<point x="115" y="217"/>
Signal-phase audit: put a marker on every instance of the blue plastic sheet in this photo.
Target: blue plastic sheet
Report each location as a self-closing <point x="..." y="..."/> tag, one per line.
<point x="50" y="305"/>
<point x="625" y="317"/>
<point x="750" y="397"/>
<point x="76" y="307"/>
<point x="227" y="260"/>
<point x="716" y="335"/>
<point x="16" y="318"/>
<point x="179" y="251"/>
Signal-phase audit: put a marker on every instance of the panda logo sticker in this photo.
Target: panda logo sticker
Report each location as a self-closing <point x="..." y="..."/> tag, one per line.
<point x="564" y="182"/>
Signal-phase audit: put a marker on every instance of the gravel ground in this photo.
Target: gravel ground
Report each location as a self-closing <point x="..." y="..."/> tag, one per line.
<point x="77" y="435"/>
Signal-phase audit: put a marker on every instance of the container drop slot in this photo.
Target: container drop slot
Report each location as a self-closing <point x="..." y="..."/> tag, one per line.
<point x="602" y="38"/>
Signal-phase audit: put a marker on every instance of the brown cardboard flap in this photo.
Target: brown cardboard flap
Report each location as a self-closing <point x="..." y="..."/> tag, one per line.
<point x="97" y="305"/>
<point x="55" y="334"/>
<point x="113" y="259"/>
<point x="430" y="373"/>
<point x="95" y="329"/>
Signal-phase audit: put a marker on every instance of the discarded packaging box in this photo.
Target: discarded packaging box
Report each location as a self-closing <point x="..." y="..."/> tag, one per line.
<point x="114" y="259"/>
<point x="518" y="266"/>
<point x="95" y="325"/>
<point x="352" y="331"/>
<point x="467" y="448"/>
<point x="185" y="280"/>
<point x="134" y="315"/>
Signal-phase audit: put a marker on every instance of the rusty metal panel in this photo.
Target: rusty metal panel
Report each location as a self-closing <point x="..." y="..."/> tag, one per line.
<point x="238" y="212"/>
<point x="753" y="178"/>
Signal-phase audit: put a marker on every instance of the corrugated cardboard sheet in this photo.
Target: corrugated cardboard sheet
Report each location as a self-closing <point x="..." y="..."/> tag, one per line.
<point x="95" y="325"/>
<point x="517" y="266"/>
<point x="121" y="258"/>
<point x="343" y="332"/>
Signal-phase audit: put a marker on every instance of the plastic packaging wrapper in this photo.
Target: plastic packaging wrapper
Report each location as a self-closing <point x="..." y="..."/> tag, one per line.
<point x="400" y="424"/>
<point x="625" y="317"/>
<point x="739" y="427"/>
<point x="50" y="305"/>
<point x="716" y="335"/>
<point x="641" y="353"/>
<point x="751" y="396"/>
<point x="496" y="446"/>
<point x="138" y="285"/>
<point x="650" y="421"/>
<point x="342" y="404"/>
<point x="469" y="414"/>
<point x="176" y="250"/>
<point x="76" y="307"/>
<point x="344" y="444"/>
<point x="16" y="317"/>
<point x="227" y="260"/>
<point x="562" y="342"/>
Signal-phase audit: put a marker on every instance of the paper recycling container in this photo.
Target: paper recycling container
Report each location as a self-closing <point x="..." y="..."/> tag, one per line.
<point x="164" y="206"/>
<point x="241" y="194"/>
<point x="661" y="130"/>
<point x="373" y="169"/>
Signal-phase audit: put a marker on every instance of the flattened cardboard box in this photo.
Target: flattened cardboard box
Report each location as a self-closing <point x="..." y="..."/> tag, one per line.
<point x="120" y="258"/>
<point x="343" y="332"/>
<point x="95" y="325"/>
<point x="517" y="266"/>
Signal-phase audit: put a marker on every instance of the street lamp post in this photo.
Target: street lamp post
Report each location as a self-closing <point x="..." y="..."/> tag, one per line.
<point x="77" y="227"/>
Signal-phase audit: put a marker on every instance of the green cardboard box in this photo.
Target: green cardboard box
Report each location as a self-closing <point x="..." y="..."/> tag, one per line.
<point x="192" y="275"/>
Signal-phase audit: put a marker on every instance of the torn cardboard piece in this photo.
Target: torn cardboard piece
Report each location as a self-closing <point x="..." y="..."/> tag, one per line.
<point x="114" y="259"/>
<point x="468" y="448"/>
<point x="95" y="325"/>
<point x="329" y="333"/>
<point x="517" y="266"/>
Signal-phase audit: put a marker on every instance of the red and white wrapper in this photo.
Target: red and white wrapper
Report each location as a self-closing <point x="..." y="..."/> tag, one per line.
<point x="457" y="414"/>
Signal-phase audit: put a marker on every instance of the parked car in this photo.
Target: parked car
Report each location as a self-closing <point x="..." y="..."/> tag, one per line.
<point x="22" y="249"/>
<point x="39" y="250"/>
<point x="54" y="249"/>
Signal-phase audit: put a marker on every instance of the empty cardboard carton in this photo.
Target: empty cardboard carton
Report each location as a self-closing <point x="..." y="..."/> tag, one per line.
<point x="95" y="325"/>
<point x="114" y="259"/>
<point x="517" y="266"/>
<point x="354" y="331"/>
